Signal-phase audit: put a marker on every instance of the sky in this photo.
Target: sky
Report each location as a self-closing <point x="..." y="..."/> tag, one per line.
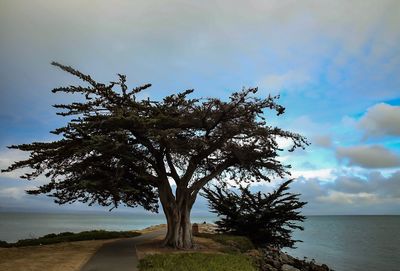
<point x="336" y="65"/>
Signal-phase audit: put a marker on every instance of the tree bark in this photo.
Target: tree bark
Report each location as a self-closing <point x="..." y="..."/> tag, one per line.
<point x="177" y="212"/>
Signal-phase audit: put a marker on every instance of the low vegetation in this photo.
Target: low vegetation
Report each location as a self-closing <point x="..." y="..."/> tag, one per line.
<point x="232" y="242"/>
<point x="70" y="237"/>
<point x="196" y="262"/>
<point x="228" y="255"/>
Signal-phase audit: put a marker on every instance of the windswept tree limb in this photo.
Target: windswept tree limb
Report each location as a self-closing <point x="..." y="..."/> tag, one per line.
<point x="121" y="149"/>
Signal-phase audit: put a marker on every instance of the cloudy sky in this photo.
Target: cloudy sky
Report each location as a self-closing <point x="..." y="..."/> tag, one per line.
<point x="336" y="65"/>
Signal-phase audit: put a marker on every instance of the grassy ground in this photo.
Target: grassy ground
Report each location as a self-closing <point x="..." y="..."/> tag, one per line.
<point x="196" y="262"/>
<point x="216" y="252"/>
<point x="71" y="237"/>
<point x="232" y="242"/>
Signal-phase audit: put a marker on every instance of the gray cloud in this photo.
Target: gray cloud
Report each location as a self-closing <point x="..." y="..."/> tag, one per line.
<point x="381" y="120"/>
<point x="368" y="193"/>
<point x="328" y="198"/>
<point x="369" y="189"/>
<point x="371" y="183"/>
<point x="353" y="184"/>
<point x="368" y="156"/>
<point x="158" y="41"/>
<point x="323" y="141"/>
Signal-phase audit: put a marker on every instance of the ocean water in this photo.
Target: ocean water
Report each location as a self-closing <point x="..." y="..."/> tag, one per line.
<point x="16" y="226"/>
<point x="345" y="243"/>
<point x="351" y="243"/>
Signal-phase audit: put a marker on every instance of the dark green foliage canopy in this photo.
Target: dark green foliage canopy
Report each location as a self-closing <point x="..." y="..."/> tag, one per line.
<point x="117" y="148"/>
<point x="267" y="219"/>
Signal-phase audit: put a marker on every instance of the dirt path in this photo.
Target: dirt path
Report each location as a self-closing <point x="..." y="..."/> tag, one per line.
<point x="119" y="255"/>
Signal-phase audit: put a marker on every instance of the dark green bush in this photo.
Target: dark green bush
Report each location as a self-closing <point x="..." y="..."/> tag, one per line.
<point x="267" y="219"/>
<point x="4" y="244"/>
<point x="70" y="237"/>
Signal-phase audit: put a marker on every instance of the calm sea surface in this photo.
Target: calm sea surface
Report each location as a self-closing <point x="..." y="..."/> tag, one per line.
<point x="345" y="243"/>
<point x="16" y="226"/>
<point x="351" y="243"/>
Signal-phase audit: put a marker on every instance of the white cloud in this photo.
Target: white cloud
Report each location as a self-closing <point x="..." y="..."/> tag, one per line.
<point x="7" y="158"/>
<point x="368" y="156"/>
<point x="284" y="143"/>
<point x="381" y="120"/>
<point x="322" y="174"/>
<point x="289" y="81"/>
<point x="348" y="198"/>
<point x="16" y="193"/>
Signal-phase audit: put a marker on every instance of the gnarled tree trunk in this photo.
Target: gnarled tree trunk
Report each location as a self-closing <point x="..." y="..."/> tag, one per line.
<point x="177" y="212"/>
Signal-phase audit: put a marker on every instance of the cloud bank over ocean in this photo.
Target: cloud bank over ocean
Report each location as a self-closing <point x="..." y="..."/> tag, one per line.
<point x="335" y="65"/>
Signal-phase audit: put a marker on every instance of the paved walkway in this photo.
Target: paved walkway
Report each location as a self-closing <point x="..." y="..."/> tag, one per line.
<point x="119" y="255"/>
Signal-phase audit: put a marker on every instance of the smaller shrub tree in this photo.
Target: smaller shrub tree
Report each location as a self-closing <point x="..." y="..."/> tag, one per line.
<point x="267" y="219"/>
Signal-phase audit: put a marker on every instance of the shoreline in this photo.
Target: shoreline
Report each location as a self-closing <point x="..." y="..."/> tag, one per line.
<point x="73" y="255"/>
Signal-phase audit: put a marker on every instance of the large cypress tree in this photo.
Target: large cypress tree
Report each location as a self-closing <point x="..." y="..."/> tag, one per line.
<point x="116" y="148"/>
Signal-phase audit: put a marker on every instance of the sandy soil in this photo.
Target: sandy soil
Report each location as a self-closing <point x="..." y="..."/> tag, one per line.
<point x="203" y="228"/>
<point x="57" y="257"/>
<point x="153" y="228"/>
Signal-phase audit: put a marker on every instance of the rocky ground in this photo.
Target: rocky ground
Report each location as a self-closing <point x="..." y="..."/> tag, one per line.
<point x="271" y="259"/>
